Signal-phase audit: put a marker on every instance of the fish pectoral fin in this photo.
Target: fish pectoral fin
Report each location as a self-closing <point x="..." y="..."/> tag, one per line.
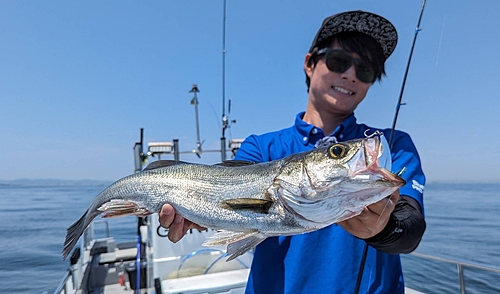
<point x="224" y="237"/>
<point x="162" y="163"/>
<point x="238" y="243"/>
<point x="120" y="207"/>
<point x="235" y="163"/>
<point x="256" y="205"/>
<point x="242" y="246"/>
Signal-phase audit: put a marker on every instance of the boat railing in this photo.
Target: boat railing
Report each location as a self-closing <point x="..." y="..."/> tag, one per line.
<point x="88" y="235"/>
<point x="70" y="281"/>
<point x="460" y="267"/>
<point x="63" y="284"/>
<point x="106" y="226"/>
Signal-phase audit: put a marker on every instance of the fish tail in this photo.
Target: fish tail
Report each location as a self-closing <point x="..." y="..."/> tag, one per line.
<point x="74" y="232"/>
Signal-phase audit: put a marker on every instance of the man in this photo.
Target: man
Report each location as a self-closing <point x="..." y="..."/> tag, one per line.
<point x="346" y="57"/>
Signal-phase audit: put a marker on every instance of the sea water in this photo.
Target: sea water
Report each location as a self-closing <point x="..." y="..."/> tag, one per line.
<point x="34" y="217"/>
<point x="463" y="223"/>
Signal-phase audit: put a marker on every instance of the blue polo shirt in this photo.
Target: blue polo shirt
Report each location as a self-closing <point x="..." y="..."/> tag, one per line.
<point x="327" y="260"/>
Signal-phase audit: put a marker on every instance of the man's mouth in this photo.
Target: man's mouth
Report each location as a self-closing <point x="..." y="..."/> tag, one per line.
<point x="342" y="90"/>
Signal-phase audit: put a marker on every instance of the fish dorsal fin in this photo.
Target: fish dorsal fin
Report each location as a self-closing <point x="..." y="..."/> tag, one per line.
<point x="235" y="163"/>
<point x="252" y="204"/>
<point x="162" y="163"/>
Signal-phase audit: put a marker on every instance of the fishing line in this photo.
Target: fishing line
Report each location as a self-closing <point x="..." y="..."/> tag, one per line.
<point x="214" y="113"/>
<point x="383" y="209"/>
<point x="398" y="106"/>
<point x="440" y="39"/>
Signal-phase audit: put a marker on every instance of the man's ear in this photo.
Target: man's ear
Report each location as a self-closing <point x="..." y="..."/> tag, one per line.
<point x="308" y="65"/>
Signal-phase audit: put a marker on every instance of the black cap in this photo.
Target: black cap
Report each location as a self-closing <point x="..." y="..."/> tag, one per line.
<point x="364" y="22"/>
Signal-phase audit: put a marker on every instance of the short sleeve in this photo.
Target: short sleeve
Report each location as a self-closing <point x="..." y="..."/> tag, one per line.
<point x="249" y="150"/>
<point x="405" y="155"/>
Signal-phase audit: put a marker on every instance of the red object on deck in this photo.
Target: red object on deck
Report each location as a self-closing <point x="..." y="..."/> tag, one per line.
<point x="121" y="279"/>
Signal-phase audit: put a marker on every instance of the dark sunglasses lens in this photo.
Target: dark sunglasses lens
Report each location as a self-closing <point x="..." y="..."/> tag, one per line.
<point x="365" y="72"/>
<point x="340" y="62"/>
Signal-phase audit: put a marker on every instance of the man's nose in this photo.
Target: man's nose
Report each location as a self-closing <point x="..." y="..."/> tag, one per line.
<point x="350" y="74"/>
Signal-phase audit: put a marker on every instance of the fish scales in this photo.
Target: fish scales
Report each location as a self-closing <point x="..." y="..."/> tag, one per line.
<point x="297" y="194"/>
<point x="190" y="186"/>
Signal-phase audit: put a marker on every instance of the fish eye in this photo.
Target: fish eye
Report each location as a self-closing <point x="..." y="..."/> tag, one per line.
<point x="337" y="151"/>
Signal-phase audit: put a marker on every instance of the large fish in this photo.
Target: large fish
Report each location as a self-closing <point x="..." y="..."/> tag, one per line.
<point x="250" y="202"/>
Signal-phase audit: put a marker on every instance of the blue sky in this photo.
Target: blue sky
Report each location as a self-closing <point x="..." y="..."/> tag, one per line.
<point x="78" y="79"/>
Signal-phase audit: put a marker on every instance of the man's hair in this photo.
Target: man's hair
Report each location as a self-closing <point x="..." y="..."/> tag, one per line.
<point x="365" y="46"/>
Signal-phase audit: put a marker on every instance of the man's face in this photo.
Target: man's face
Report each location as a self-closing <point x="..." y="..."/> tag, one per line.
<point x="338" y="93"/>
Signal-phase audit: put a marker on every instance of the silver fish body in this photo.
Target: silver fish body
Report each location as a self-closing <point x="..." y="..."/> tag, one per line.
<point x="250" y="202"/>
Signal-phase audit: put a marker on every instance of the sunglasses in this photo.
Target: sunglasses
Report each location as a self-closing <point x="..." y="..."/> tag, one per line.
<point x="339" y="61"/>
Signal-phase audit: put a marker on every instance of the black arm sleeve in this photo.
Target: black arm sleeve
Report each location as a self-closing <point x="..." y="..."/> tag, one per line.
<point x="403" y="232"/>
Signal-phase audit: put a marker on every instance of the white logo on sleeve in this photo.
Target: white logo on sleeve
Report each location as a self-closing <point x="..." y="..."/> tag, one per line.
<point x="417" y="186"/>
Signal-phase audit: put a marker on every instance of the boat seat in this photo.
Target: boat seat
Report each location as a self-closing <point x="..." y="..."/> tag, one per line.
<point x="118" y="255"/>
<point x="209" y="283"/>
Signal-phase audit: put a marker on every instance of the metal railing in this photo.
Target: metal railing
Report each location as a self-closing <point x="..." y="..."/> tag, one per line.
<point x="88" y="237"/>
<point x="460" y="267"/>
<point x="61" y="288"/>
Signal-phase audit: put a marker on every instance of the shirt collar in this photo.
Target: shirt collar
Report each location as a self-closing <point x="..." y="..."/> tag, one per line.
<point x="310" y="133"/>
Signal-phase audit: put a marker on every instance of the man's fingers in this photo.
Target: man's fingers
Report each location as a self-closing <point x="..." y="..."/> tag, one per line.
<point x="176" y="232"/>
<point x="357" y="226"/>
<point x="385" y="205"/>
<point x="395" y="197"/>
<point x="167" y="215"/>
<point x="381" y="206"/>
<point x="191" y="225"/>
<point x="178" y="218"/>
<point x="176" y="224"/>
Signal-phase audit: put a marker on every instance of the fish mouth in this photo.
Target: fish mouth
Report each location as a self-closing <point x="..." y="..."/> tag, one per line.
<point x="391" y="177"/>
<point x="375" y="162"/>
<point x="379" y="174"/>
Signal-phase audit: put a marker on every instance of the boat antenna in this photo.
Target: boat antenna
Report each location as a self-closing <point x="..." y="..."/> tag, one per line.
<point x="398" y="106"/>
<point x="225" y="121"/>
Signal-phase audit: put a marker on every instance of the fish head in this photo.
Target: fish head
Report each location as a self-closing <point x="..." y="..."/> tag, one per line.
<point x="365" y="162"/>
<point x="340" y="179"/>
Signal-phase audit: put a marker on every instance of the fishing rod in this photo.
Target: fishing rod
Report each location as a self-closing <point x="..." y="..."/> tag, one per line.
<point x="399" y="104"/>
<point x="391" y="137"/>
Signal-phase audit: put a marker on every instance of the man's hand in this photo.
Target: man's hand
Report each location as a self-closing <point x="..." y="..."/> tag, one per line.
<point x="373" y="219"/>
<point x="176" y="224"/>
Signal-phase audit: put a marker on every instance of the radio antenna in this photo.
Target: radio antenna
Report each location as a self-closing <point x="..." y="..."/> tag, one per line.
<point x="225" y="121"/>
